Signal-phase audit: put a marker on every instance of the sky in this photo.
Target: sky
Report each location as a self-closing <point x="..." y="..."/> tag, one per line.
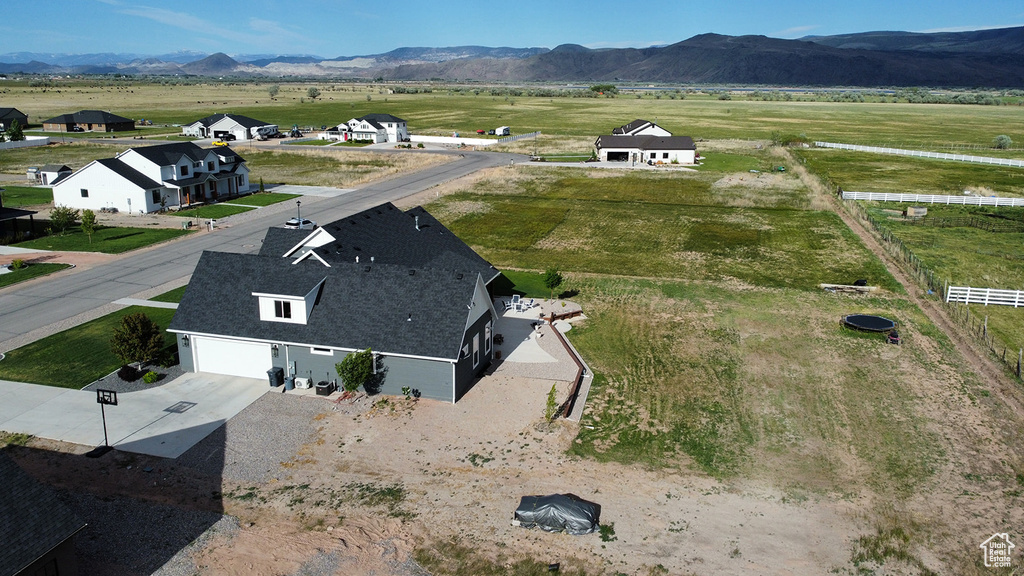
<point x="333" y="28"/>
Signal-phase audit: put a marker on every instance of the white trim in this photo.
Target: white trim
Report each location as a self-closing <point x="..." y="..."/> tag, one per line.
<point x="308" y="345"/>
<point x="321" y="351"/>
<point x="315" y="255"/>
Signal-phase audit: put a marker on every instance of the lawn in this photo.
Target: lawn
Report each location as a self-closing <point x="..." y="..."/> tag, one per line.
<point x="263" y="199"/>
<point x="109" y="240"/>
<point x="18" y="196"/>
<point x="78" y="356"/>
<point x="29" y="272"/>
<point x="215" y="211"/>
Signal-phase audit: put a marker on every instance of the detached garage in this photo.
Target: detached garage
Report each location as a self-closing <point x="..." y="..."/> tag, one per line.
<point x="231" y="357"/>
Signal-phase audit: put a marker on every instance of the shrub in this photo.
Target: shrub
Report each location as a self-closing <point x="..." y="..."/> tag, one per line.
<point x="355" y="370"/>
<point x="62" y="218"/>
<point x="136" y="339"/>
<point x="17" y="264"/>
<point x="1002" y="142"/>
<point x="150" y="377"/>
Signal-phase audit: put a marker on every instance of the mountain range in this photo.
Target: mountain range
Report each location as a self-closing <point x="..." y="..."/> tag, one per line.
<point x="985" y="58"/>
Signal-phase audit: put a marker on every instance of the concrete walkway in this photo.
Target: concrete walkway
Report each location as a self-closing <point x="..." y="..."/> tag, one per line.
<point x="149" y="303"/>
<point x="164" y="421"/>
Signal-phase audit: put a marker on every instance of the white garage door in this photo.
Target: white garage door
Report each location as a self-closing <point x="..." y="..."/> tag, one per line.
<point x="233" y="358"/>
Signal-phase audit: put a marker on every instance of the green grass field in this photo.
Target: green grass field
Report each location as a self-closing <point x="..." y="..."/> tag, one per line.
<point x="18" y="196"/>
<point x="76" y="357"/>
<point x="264" y="199"/>
<point x="215" y="211"/>
<point x="29" y="272"/>
<point x="108" y="240"/>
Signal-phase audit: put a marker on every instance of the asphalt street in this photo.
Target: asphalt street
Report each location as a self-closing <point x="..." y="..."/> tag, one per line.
<point x="65" y="297"/>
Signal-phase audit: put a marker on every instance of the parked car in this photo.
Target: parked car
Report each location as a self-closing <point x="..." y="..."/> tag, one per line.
<point x="303" y="224"/>
<point x="227" y="137"/>
<point x="76" y="129"/>
<point x="219" y="143"/>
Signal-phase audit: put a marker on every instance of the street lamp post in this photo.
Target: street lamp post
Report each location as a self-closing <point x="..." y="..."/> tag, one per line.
<point x="298" y="212"/>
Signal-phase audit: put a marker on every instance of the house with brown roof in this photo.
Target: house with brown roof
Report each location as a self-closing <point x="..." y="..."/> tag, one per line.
<point x="88" y="121"/>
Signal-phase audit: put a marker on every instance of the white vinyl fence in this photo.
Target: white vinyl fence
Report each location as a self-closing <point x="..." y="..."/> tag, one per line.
<point x="923" y="154"/>
<point x="934" y="199"/>
<point x="518" y="137"/>
<point x="986" y="296"/>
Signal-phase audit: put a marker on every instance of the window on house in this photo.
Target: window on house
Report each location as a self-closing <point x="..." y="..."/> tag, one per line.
<point x="156" y="196"/>
<point x="476" y="350"/>
<point x="209" y="166"/>
<point x="85" y="193"/>
<point x="665" y="155"/>
<point x="184" y="170"/>
<point x="321" y="351"/>
<point x="282" y="309"/>
<point x="487" y="339"/>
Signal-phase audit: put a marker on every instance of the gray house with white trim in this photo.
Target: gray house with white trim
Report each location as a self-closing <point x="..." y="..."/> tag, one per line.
<point x="398" y="283"/>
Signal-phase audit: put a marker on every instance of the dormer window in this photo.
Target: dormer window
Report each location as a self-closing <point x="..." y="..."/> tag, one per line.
<point x="282" y="309"/>
<point x="184" y="170"/>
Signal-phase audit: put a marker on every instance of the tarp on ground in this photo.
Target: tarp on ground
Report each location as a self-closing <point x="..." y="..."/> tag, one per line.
<point x="559" y="513"/>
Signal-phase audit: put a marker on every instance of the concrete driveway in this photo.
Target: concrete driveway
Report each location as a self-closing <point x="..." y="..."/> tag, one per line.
<point x="164" y="421"/>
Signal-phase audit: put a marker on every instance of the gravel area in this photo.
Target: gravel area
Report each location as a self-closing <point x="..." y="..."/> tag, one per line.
<point x="251" y="446"/>
<point x="128" y="537"/>
<point x="182" y="563"/>
<point x="114" y="382"/>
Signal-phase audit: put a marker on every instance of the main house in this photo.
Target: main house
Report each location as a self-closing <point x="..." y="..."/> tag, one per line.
<point x="150" y="178"/>
<point x="398" y="283"/>
<point x="373" y="128"/>
<point x="645" y="142"/>
<point x="88" y="121"/>
<point x="231" y="126"/>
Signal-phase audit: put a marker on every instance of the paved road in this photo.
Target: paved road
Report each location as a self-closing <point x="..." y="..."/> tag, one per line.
<point x="63" y="300"/>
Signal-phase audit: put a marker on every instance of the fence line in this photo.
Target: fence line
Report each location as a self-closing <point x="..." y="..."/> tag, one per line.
<point x="986" y="296"/>
<point x="923" y="154"/>
<point x="959" y="312"/>
<point x="934" y="199"/>
<point x="518" y="137"/>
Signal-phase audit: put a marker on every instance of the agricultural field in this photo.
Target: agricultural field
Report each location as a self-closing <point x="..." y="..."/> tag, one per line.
<point x="442" y="111"/>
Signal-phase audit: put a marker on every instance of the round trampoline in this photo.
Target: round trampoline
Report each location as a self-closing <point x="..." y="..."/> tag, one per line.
<point x="869" y="323"/>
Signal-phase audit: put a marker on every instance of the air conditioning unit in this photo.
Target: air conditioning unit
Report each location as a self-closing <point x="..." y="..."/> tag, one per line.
<point x="304" y="383"/>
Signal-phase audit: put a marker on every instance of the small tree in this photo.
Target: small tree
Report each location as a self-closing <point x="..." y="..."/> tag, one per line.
<point x="1002" y="142"/>
<point x="549" y="411"/>
<point x="552" y="280"/>
<point x="88" y="223"/>
<point x="136" y="339"/>
<point x="273" y="90"/>
<point x="262" y="189"/>
<point x="14" y="133"/>
<point x="313" y="92"/>
<point x="355" y="370"/>
<point x="62" y="218"/>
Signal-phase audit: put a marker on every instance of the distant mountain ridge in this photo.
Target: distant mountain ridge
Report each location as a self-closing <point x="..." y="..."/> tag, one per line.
<point x="984" y="58"/>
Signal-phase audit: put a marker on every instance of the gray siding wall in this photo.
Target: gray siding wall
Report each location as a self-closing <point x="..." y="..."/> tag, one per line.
<point x="185" y="355"/>
<point x="465" y="375"/>
<point x="433" y="379"/>
<point x="308" y="365"/>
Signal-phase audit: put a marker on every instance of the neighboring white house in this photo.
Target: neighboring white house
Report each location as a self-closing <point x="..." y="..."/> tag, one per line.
<point x="642" y="141"/>
<point x="231" y="126"/>
<point x="640" y="128"/>
<point x="375" y="128"/>
<point x="50" y="174"/>
<point x="149" y="178"/>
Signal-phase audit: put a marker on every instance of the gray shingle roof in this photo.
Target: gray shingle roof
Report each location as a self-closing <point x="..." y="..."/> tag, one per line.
<point x="55" y="168"/>
<point x="169" y="154"/>
<point x="380" y="118"/>
<point x="87" y="117"/>
<point x="11" y="113"/>
<point x="130" y="174"/>
<point x="629" y="128"/>
<point x="361" y="305"/>
<point x="32" y="519"/>
<point x="244" y="121"/>
<point x="390" y="236"/>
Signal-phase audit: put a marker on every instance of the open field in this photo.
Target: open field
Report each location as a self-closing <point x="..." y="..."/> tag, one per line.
<point x="919" y="126"/>
<point x="106" y="239"/>
<point x="716" y="355"/>
<point x="18" y="196"/>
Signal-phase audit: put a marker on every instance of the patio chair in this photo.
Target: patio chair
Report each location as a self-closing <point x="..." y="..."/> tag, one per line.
<point x="517" y="303"/>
